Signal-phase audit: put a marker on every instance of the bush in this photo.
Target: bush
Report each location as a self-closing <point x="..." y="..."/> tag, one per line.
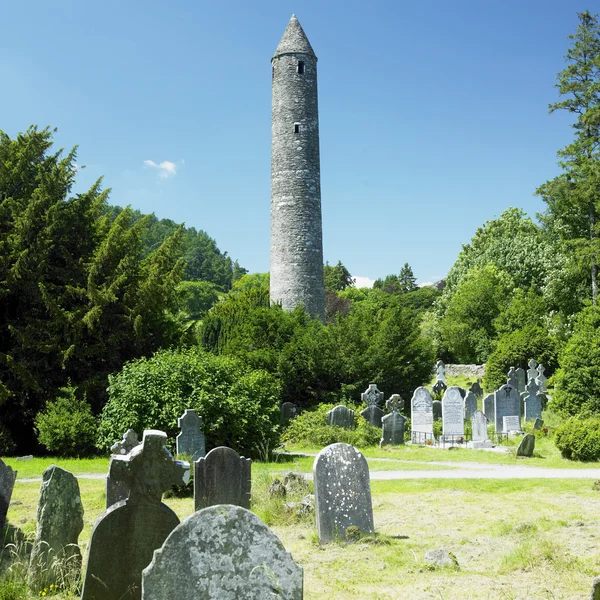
<point x="577" y="382"/>
<point x="66" y="426"/>
<point x="311" y="429"/>
<point x="579" y="439"/>
<point x="239" y="406"/>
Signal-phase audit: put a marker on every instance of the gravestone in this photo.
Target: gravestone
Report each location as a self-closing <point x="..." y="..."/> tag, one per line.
<point x="342" y="492"/>
<point x="462" y="392"/>
<point x="470" y="405"/>
<point x="521" y="379"/>
<point x="511" y="424"/>
<point x="372" y="415"/>
<point x="541" y="379"/>
<point x="532" y="402"/>
<point x="7" y="483"/>
<point x="394" y="403"/>
<point x="440" y="371"/>
<point x="479" y="436"/>
<point x="453" y="421"/>
<point x="191" y="441"/>
<point x="532" y="371"/>
<point x="392" y="433"/>
<point x="126" y="534"/>
<point x="507" y="403"/>
<point x="539" y="423"/>
<point x="488" y="407"/>
<point x="118" y="490"/>
<point x="222" y="552"/>
<point x="222" y="477"/>
<point x="341" y="416"/>
<point x="477" y="389"/>
<point x="527" y="445"/>
<point x="372" y="396"/>
<point x="439" y="387"/>
<point x="421" y="415"/>
<point x="512" y="377"/>
<point x="288" y="412"/>
<point x="55" y="555"/>
<point x="437" y="410"/>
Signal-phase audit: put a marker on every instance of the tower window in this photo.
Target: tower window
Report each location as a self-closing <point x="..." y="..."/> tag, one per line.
<point x="301" y="67"/>
<point x="296" y="127"/>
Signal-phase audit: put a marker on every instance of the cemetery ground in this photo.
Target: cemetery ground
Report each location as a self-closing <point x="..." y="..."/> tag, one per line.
<point x="512" y="538"/>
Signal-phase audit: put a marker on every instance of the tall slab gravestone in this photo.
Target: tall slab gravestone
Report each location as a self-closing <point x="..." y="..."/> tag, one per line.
<point x="55" y="555"/>
<point x="479" y="423"/>
<point x="392" y="433"/>
<point x="507" y="403"/>
<point x="126" y="534"/>
<point x="191" y="441"/>
<point x="341" y="416"/>
<point x="453" y="422"/>
<point x="342" y="492"/>
<point x="470" y="405"/>
<point x="222" y="477"/>
<point x="488" y="407"/>
<point x="117" y="490"/>
<point x="7" y="483"/>
<point x="226" y="552"/>
<point x="437" y="410"/>
<point x="421" y="415"/>
<point x="521" y="379"/>
<point x="532" y="402"/>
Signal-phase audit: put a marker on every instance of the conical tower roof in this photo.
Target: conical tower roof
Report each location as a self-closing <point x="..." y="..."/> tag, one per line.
<point x="294" y="39"/>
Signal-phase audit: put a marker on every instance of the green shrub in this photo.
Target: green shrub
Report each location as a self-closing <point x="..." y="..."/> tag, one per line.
<point x="579" y="439"/>
<point x="238" y="405"/>
<point x="515" y="350"/>
<point x="66" y="426"/>
<point x="577" y="382"/>
<point x="311" y="429"/>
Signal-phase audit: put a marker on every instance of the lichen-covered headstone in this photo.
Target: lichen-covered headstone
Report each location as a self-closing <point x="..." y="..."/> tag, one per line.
<point x="372" y="415"/>
<point x="394" y="403"/>
<point x="421" y="415"/>
<point x="507" y="403"/>
<point x="512" y="377"/>
<point x="222" y="552"/>
<point x="342" y="492"/>
<point x="521" y="378"/>
<point x="541" y="379"/>
<point x="222" y="477"/>
<point x="341" y="416"/>
<point x="440" y="371"/>
<point x="527" y="445"/>
<point x="190" y="441"/>
<point x="7" y="483"/>
<point x="288" y="412"/>
<point x="453" y="422"/>
<point x="126" y="534"/>
<point x="532" y="404"/>
<point x="437" y="410"/>
<point x="55" y="556"/>
<point x="118" y="490"/>
<point x="470" y="404"/>
<point x="488" y="407"/>
<point x="538" y="424"/>
<point x="479" y="435"/>
<point x="372" y="395"/>
<point x="392" y="433"/>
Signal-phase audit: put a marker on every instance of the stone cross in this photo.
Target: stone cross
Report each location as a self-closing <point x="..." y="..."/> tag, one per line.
<point x="512" y="377"/>
<point x="341" y="416"/>
<point x="439" y="387"/>
<point x="541" y="379"/>
<point x="191" y="442"/>
<point x="470" y="405"/>
<point x="342" y="492"/>
<point x="531" y="401"/>
<point x="223" y="552"/>
<point x="392" y="433"/>
<point x="394" y="403"/>
<point x="372" y="395"/>
<point x="222" y="477"/>
<point x="372" y="415"/>
<point x="453" y="420"/>
<point x="129" y="442"/>
<point x="55" y="556"/>
<point x="117" y="490"/>
<point x="440" y="371"/>
<point x="421" y="415"/>
<point x="521" y="377"/>
<point x="532" y="371"/>
<point x="7" y="483"/>
<point x="507" y="403"/>
<point x="126" y="534"/>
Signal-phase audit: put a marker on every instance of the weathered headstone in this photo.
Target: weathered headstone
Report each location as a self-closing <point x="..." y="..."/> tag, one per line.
<point x="507" y="403"/>
<point x="288" y="412"/>
<point x="191" y="441"/>
<point x="527" y="445"/>
<point x="341" y="416"/>
<point x="437" y="410"/>
<point x="126" y="534"/>
<point x="532" y="402"/>
<point x="453" y="422"/>
<point x="538" y="424"/>
<point x="521" y="379"/>
<point x="342" y="492"/>
<point x="479" y="436"/>
<point x="222" y="552"/>
<point x="440" y="371"/>
<point x="55" y="556"/>
<point x="477" y="389"/>
<point x="7" y="483"/>
<point x="222" y="477"/>
<point x="532" y="371"/>
<point x="118" y="490"/>
<point x="488" y="407"/>
<point x="470" y="404"/>
<point x="512" y="377"/>
<point x="394" y="403"/>
<point x="421" y="415"/>
<point x="372" y="395"/>
<point x="372" y="415"/>
<point x="392" y="433"/>
<point x="511" y="424"/>
<point x="541" y="379"/>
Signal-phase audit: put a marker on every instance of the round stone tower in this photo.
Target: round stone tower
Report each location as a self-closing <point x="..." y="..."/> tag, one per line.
<point x="296" y="230"/>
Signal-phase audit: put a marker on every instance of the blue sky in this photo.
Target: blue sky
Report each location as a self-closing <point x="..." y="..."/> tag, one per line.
<point x="433" y="115"/>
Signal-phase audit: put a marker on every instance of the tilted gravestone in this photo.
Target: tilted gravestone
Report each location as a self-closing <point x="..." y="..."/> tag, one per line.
<point x="191" y="441"/>
<point x="511" y="424"/>
<point x="506" y="404"/>
<point x="440" y="371"/>
<point x="532" y="371"/>
<point x="512" y="377"/>
<point x="341" y="416"/>
<point x="538" y="424"/>
<point x="118" y="490"/>
<point x="372" y="395"/>
<point x="55" y="556"/>
<point x="7" y="483"/>
<point x="479" y="436"/>
<point x="527" y="445"/>
<point x="477" y="389"/>
<point x="531" y="402"/>
<point x="342" y="492"/>
<point x="392" y="433"/>
<point x="541" y="379"/>
<point x="288" y="412"/>
<point x="453" y="422"/>
<point x="421" y="415"/>
<point x="222" y="477"/>
<point x="470" y="405"/>
<point x="488" y="407"/>
<point x="394" y="403"/>
<point x="126" y="534"/>
<point x="521" y="377"/>
<point x="223" y="552"/>
<point x="372" y="415"/>
<point x="437" y="410"/>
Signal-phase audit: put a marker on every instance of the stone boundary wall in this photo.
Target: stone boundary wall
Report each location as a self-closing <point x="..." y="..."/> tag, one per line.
<point x="473" y="371"/>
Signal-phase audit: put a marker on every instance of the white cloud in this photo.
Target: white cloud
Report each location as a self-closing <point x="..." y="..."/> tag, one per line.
<point x="363" y="282"/>
<point x="166" y="168"/>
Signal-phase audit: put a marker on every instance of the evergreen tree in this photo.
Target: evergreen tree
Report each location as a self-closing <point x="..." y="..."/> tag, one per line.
<point x="407" y="280"/>
<point x="337" y="278"/>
